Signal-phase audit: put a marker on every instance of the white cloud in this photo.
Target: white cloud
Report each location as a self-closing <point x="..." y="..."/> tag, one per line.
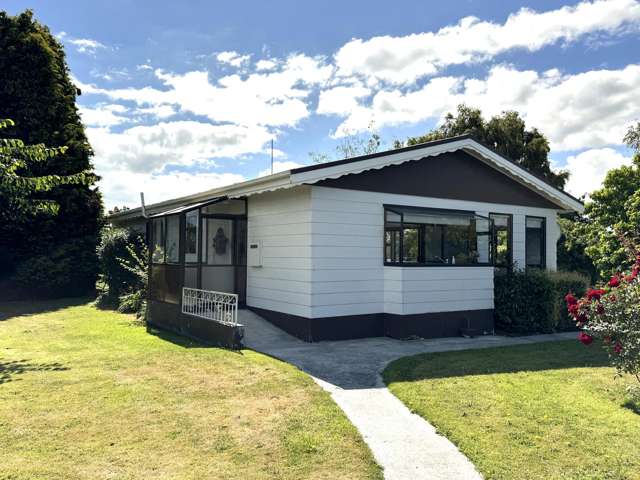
<point x="122" y="187"/>
<point x="274" y="99"/>
<point x="341" y="100"/>
<point x="403" y="60"/>
<point x="280" y="166"/>
<point x="157" y="111"/>
<point x="103" y="115"/>
<point x="266" y="65"/>
<point x="149" y="149"/>
<point x="83" y="45"/>
<point x="135" y="159"/>
<point x="589" y="168"/>
<point x="586" y="110"/>
<point x="232" y="58"/>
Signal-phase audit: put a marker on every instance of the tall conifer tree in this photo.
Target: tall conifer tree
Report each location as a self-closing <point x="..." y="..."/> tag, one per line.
<point x="47" y="254"/>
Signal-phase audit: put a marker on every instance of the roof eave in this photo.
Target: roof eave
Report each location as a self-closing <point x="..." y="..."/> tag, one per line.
<point x="249" y="187"/>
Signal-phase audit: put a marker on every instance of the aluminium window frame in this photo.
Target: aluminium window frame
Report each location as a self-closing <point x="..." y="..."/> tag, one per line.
<point x="398" y="210"/>
<point x="494" y="247"/>
<point x="198" y="233"/>
<point x="154" y="243"/>
<point x="543" y="242"/>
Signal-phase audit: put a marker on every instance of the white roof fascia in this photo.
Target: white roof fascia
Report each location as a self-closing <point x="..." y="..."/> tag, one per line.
<point x="526" y="177"/>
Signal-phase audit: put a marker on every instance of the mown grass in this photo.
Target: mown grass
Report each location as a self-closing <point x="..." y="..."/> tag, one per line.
<point x="89" y="394"/>
<point x="546" y="411"/>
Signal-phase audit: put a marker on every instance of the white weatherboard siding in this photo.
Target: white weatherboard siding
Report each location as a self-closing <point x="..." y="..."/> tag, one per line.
<point x="411" y="290"/>
<point x="348" y="276"/>
<point x="281" y="220"/>
<point x="322" y="255"/>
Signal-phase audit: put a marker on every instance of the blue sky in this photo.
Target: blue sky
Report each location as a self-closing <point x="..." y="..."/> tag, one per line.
<point x="180" y="97"/>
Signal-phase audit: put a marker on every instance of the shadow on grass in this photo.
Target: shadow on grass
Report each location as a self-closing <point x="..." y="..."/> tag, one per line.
<point x="9" y="369"/>
<point x="632" y="405"/>
<point x="184" y="341"/>
<point x="10" y="309"/>
<point x="499" y="360"/>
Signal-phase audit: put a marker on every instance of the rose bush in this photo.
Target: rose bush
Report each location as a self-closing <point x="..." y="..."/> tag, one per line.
<point x="612" y="314"/>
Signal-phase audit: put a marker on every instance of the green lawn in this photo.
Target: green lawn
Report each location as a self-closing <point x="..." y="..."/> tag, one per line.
<point x="546" y="411"/>
<point x="88" y="394"/>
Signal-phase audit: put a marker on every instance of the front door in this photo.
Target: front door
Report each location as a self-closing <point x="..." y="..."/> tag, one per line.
<point x="224" y="254"/>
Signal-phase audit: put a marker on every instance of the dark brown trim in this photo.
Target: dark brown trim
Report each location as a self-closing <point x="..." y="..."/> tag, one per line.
<point x="200" y="252"/>
<point x="455" y="175"/>
<point x="494" y="247"/>
<point x="430" y="144"/>
<point x="295" y="325"/>
<point x="439" y="324"/>
<point x="424" y="325"/>
<point x="543" y="253"/>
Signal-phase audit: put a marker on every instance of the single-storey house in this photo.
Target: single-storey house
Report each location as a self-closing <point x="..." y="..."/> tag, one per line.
<point x="403" y="243"/>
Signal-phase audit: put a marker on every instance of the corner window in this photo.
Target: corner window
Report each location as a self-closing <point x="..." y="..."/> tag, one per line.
<point x="173" y="239"/>
<point x="158" y="233"/>
<point x="502" y="238"/>
<point x="419" y="236"/>
<point x="191" y="237"/>
<point x="535" y="242"/>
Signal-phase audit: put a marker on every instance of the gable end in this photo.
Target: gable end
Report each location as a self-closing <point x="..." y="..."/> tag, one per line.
<point x="454" y="175"/>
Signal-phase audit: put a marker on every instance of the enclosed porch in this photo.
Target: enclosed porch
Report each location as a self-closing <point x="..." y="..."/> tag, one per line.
<point x="198" y="269"/>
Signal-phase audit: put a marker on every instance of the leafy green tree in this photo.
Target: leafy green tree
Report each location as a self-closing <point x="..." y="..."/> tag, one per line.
<point x="609" y="231"/>
<point x="37" y="93"/>
<point x="351" y="145"/>
<point x="506" y="133"/>
<point x="571" y="247"/>
<point x="23" y="196"/>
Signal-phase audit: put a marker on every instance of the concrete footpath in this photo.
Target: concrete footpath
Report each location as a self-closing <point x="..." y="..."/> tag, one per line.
<point x="404" y="444"/>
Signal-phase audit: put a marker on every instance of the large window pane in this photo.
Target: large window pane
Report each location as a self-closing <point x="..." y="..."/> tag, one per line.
<point x="157" y="255"/>
<point x="457" y="246"/>
<point x="173" y="239"/>
<point x="433" y="244"/>
<point x="534" y="242"/>
<point x="411" y="250"/>
<point x="191" y="237"/>
<point x="436" y="237"/>
<point x="502" y="239"/>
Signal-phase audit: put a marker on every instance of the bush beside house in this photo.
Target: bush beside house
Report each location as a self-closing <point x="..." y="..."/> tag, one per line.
<point x="123" y="258"/>
<point x="532" y="301"/>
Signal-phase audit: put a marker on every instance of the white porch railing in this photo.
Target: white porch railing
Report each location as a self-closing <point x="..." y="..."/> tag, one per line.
<point x="217" y="306"/>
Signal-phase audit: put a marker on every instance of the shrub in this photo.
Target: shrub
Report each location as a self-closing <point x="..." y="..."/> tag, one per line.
<point x="115" y="279"/>
<point x="530" y="301"/>
<point x="135" y="299"/>
<point x="563" y="282"/>
<point x="611" y="313"/>
<point x="68" y="270"/>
